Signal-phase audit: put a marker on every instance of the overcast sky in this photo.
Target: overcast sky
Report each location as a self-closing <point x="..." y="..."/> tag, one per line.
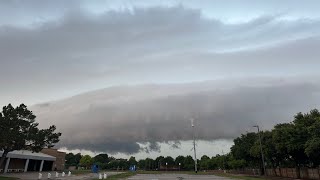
<point x="125" y="77"/>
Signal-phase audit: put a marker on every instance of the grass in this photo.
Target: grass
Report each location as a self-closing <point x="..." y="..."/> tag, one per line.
<point x="7" y="178"/>
<point x="79" y="172"/>
<point x="232" y="176"/>
<point x="122" y="175"/>
<point x="175" y="172"/>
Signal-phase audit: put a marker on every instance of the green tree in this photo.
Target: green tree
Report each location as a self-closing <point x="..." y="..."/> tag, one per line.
<point x="123" y="164"/>
<point x="18" y="130"/>
<point x="236" y="163"/>
<point x="219" y="161"/>
<point x="179" y="159"/>
<point x="159" y="161"/>
<point x="142" y="164"/>
<point x="188" y="163"/>
<point x="272" y="157"/>
<point x="86" y="161"/>
<point x="169" y="160"/>
<point x="241" y="149"/>
<point x="132" y="161"/>
<point x="312" y="146"/>
<point x="101" y="160"/>
<point x="73" y="159"/>
<point x="113" y="164"/>
<point x="204" y="162"/>
<point x="149" y="163"/>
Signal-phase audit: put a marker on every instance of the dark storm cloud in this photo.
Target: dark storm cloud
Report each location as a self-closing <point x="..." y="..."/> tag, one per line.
<point x="116" y="119"/>
<point x="66" y="50"/>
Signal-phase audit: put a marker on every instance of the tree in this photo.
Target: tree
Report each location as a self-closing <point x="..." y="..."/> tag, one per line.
<point x="218" y="162"/>
<point x="86" y="161"/>
<point x="132" y="161"/>
<point x="237" y="164"/>
<point x="179" y="159"/>
<point x="188" y="163"/>
<point x="142" y="164"/>
<point x="312" y="146"/>
<point x="101" y="160"/>
<point x="273" y="157"/>
<point x="123" y="164"/>
<point x="73" y="160"/>
<point x="113" y="164"/>
<point x="18" y="130"/>
<point x="169" y="160"/>
<point x="204" y="162"/>
<point x="159" y="161"/>
<point x="241" y="149"/>
<point x="149" y="164"/>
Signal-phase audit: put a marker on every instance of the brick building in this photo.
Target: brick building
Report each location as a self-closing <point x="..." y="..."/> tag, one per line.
<point x="59" y="163"/>
<point x="23" y="161"/>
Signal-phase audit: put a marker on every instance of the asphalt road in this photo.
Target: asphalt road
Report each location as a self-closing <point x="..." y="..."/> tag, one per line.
<point x="35" y="175"/>
<point x="174" y="177"/>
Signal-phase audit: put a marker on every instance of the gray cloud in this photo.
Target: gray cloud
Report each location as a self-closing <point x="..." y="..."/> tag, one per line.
<point x="116" y="119"/>
<point x="85" y="51"/>
<point x="267" y="71"/>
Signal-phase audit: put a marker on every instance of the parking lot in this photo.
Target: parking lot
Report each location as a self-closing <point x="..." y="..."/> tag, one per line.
<point x="35" y="175"/>
<point x="174" y="177"/>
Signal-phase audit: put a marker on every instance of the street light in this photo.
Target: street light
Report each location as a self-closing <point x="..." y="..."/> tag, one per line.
<point x="194" y="147"/>
<point x="179" y="166"/>
<point x="166" y="166"/>
<point x="159" y="165"/>
<point x="262" y="157"/>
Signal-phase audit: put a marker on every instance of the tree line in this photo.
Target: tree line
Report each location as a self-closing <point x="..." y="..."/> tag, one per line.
<point x="184" y="163"/>
<point x="104" y="161"/>
<point x="295" y="144"/>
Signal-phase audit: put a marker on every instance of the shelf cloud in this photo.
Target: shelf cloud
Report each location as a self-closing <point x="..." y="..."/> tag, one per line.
<point x="114" y="78"/>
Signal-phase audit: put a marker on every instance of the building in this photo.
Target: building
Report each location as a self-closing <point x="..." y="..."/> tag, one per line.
<point x="23" y="161"/>
<point x="59" y="163"/>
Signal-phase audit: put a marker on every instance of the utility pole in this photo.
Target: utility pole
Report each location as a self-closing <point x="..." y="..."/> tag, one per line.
<point x="262" y="157"/>
<point x="194" y="147"/>
<point x="224" y="163"/>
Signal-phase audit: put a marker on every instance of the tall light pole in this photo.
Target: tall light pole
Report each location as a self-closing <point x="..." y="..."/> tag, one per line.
<point x="166" y="166"/>
<point x="194" y="147"/>
<point x="224" y="163"/>
<point x="262" y="157"/>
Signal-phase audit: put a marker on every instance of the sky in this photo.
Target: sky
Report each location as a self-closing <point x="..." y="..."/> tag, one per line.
<point x="125" y="77"/>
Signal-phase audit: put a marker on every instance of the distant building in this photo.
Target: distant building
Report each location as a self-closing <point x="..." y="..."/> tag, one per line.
<point x="23" y="161"/>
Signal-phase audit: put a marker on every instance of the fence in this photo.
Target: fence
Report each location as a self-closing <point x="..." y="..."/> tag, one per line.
<point x="305" y="173"/>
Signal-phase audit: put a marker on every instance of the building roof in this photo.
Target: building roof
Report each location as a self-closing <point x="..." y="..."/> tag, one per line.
<point x="25" y="154"/>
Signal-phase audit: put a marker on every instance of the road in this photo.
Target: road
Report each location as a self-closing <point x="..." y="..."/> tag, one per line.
<point x="90" y="176"/>
<point x="35" y="175"/>
<point x="174" y="177"/>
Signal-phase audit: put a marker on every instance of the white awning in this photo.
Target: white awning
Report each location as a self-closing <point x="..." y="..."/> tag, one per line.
<point x="24" y="154"/>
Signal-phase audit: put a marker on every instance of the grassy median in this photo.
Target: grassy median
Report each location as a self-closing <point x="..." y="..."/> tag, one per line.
<point x="7" y="178"/>
<point x="234" y="176"/>
<point x="121" y="175"/>
<point x="79" y="172"/>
